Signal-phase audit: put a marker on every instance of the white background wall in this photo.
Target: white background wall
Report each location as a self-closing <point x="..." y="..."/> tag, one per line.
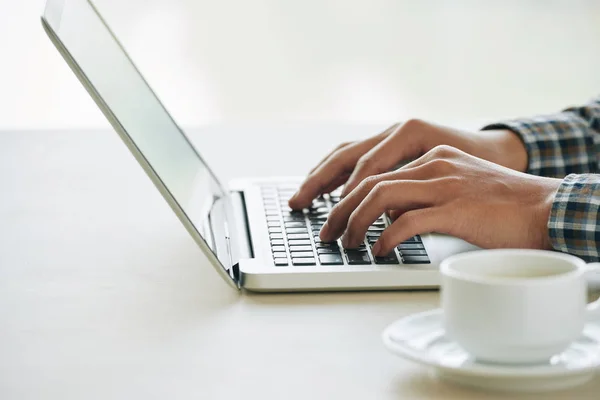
<point x="332" y="60"/>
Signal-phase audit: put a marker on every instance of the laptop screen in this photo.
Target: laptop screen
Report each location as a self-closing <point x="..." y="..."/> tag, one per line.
<point x="138" y="111"/>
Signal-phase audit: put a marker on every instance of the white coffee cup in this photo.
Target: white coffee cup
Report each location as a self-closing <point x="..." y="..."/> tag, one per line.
<point x="515" y="306"/>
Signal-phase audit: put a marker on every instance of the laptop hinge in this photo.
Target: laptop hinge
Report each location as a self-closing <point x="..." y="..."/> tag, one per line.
<point x="235" y="273"/>
<point x="237" y="218"/>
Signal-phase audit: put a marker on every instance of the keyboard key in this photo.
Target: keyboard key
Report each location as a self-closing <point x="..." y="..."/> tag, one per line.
<point x="412" y="240"/>
<point x="279" y="254"/>
<point x="360" y="247"/>
<point x="301" y="248"/>
<point x="276" y="236"/>
<point x="278" y="248"/>
<point x="373" y="229"/>
<point x="277" y="242"/>
<point x="293" y="218"/>
<point x="331" y="259"/>
<point x="298" y="236"/>
<point x="388" y="259"/>
<point x="327" y="250"/>
<point x="327" y="245"/>
<point x="303" y="261"/>
<point x="373" y="235"/>
<point x="280" y="262"/>
<point x="421" y="252"/>
<point x="410" y="246"/>
<point x="271" y="213"/>
<point x="416" y="260"/>
<point x="296" y="230"/>
<point x="299" y="242"/>
<point x="358" y="257"/>
<point x="289" y="190"/>
<point x="378" y="225"/>
<point x="274" y="230"/>
<point x="317" y="214"/>
<point x="294" y="224"/>
<point x="302" y="254"/>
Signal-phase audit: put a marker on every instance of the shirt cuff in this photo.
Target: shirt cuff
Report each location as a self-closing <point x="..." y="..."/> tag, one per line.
<point x="573" y="225"/>
<point x="556" y="144"/>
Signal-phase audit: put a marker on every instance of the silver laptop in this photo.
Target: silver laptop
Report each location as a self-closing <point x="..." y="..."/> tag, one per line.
<point x="245" y="228"/>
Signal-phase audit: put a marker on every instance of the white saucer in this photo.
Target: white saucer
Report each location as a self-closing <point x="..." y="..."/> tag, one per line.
<point x="421" y="338"/>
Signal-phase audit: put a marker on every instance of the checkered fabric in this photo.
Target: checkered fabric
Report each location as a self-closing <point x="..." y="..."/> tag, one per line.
<point x="567" y="145"/>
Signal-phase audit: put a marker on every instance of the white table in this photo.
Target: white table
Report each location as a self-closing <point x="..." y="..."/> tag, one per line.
<point x="104" y="296"/>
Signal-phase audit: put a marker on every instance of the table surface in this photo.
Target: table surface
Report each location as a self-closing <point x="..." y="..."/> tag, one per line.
<point x="103" y="294"/>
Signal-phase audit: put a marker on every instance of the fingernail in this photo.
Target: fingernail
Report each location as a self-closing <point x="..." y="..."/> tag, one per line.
<point x="376" y="248"/>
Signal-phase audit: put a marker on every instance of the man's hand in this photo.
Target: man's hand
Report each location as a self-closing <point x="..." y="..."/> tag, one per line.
<point x="350" y="163"/>
<point x="448" y="191"/>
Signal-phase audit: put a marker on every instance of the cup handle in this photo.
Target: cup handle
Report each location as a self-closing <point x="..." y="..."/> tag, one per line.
<point x="593" y="308"/>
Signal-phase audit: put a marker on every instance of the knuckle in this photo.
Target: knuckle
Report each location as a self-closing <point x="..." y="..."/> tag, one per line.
<point x="370" y="182"/>
<point x="380" y="190"/>
<point x="366" y="163"/>
<point x="442" y="165"/>
<point x="443" y="151"/>
<point x="341" y="146"/>
<point x="413" y="124"/>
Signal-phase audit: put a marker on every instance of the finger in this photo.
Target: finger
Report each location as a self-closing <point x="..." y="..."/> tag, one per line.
<point x="339" y="215"/>
<point x="411" y="223"/>
<point x="340" y="162"/>
<point x="336" y="166"/>
<point x="393" y="214"/>
<point x="339" y="181"/>
<point x="385" y="196"/>
<point x="402" y="144"/>
<point x="341" y="146"/>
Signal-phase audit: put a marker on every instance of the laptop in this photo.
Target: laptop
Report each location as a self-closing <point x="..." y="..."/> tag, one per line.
<point x="245" y="228"/>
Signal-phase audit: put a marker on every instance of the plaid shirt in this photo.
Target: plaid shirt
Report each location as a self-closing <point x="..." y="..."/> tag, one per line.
<point x="567" y="145"/>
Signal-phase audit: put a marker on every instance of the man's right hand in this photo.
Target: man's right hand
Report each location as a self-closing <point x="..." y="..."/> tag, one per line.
<point x="352" y="162"/>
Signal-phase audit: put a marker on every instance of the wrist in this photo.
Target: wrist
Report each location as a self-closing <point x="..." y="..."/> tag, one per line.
<point x="506" y="148"/>
<point x="549" y="187"/>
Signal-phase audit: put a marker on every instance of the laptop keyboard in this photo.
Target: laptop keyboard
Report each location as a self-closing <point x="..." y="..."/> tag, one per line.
<point x="294" y="235"/>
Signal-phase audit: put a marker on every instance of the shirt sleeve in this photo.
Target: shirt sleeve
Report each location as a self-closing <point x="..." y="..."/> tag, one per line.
<point x="560" y="144"/>
<point x="567" y="145"/>
<point x="574" y="225"/>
